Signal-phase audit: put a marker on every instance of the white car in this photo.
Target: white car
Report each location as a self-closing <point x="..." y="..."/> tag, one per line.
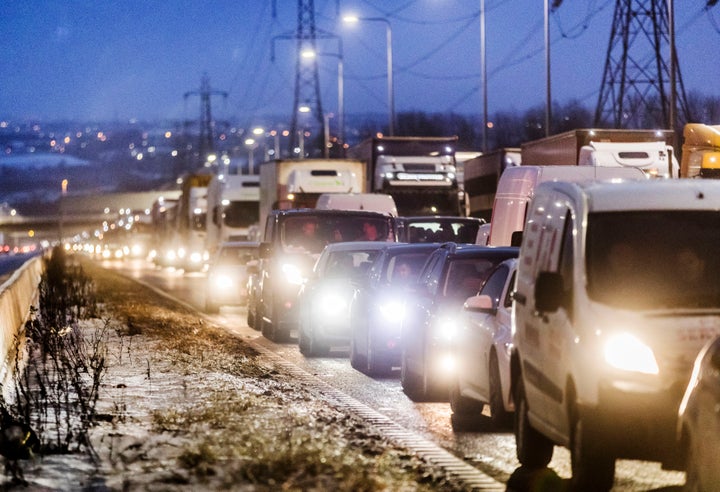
<point x="483" y="354"/>
<point x="324" y="299"/>
<point x="699" y="421"/>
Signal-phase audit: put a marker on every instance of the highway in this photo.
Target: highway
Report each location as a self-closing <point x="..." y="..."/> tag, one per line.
<point x="493" y="453"/>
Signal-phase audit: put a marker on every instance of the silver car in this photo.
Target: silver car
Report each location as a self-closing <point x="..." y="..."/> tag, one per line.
<point x="483" y="354"/>
<point x="699" y="421"/>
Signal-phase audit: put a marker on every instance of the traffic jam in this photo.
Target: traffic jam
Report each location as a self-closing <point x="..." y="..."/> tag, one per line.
<point x="582" y="315"/>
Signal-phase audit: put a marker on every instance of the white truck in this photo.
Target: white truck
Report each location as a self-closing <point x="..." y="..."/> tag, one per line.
<point x="517" y="187"/>
<point x="297" y="183"/>
<point x="649" y="150"/>
<point x="233" y="202"/>
<point x="191" y="225"/>
<point x="418" y="172"/>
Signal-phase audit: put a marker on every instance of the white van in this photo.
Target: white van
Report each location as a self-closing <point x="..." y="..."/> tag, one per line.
<point x="517" y="184"/>
<point x="371" y="202"/>
<point x="616" y="293"/>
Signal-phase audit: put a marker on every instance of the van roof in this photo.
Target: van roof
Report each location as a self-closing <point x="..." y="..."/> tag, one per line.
<point x="652" y="194"/>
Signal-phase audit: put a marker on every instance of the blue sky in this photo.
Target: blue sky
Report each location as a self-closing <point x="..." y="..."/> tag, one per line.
<point x="106" y="59"/>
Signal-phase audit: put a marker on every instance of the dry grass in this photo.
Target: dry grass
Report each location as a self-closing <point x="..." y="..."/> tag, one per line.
<point x="237" y="422"/>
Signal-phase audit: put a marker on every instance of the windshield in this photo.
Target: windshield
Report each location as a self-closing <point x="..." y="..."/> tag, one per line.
<point x="241" y="214"/>
<point x="311" y="233"/>
<point x="654" y="260"/>
<point x="440" y="231"/>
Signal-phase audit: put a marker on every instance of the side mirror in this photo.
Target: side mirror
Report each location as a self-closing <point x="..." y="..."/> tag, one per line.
<point x="265" y="250"/>
<point x="548" y="292"/>
<point x="480" y="304"/>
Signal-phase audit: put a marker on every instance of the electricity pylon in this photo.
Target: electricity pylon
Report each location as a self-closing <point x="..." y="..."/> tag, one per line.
<point x="206" y="145"/>
<point x="641" y="83"/>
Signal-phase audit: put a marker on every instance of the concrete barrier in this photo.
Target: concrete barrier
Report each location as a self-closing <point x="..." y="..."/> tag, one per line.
<point x="17" y="295"/>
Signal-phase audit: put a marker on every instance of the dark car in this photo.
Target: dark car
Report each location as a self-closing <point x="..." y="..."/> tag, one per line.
<point x="377" y="307"/>
<point x="293" y="240"/>
<point x="438" y="229"/>
<point x="451" y="274"/>
<point x="699" y="421"/>
<point x="323" y="302"/>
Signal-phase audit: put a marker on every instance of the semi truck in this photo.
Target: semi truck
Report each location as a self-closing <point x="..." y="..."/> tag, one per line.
<point x="482" y="174"/>
<point x="418" y="172"/>
<point x="233" y="203"/>
<point x="649" y="150"/>
<point x="297" y="183"/>
<point x="700" y="151"/>
<point x="191" y="221"/>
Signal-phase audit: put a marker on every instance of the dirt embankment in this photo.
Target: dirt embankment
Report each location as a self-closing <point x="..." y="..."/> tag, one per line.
<point x="186" y="406"/>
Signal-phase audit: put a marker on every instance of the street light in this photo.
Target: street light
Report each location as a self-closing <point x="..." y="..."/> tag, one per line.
<point x="251" y="144"/>
<point x="352" y="19"/>
<point x="341" y="84"/>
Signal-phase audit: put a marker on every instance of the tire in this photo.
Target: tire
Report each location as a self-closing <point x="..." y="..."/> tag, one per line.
<point x="592" y="470"/>
<point x="308" y="342"/>
<point x="533" y="449"/>
<point x="376" y="366"/>
<point x="211" y="308"/>
<point x="357" y="361"/>
<point x="251" y="319"/>
<point x="412" y="383"/>
<point x="467" y="413"/>
<point x="692" y="470"/>
<point x="499" y="417"/>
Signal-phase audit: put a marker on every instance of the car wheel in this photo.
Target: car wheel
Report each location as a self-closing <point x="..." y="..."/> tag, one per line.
<point x="376" y="365"/>
<point x="308" y="342"/>
<point x="533" y="449"/>
<point x="692" y="467"/>
<point x="500" y="418"/>
<point x="357" y="360"/>
<point x="211" y="307"/>
<point x="592" y="470"/>
<point x="411" y="382"/>
<point x="466" y="412"/>
<point x="251" y="318"/>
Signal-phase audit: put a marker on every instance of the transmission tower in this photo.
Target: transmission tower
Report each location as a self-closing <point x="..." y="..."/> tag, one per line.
<point x="307" y="80"/>
<point x="637" y="85"/>
<point x="206" y="145"/>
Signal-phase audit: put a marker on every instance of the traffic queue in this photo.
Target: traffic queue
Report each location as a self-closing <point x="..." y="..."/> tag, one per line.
<point x="582" y="332"/>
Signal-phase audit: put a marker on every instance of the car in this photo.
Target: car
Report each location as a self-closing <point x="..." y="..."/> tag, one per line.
<point x="699" y="423"/>
<point x="324" y="299"/>
<point x="227" y="274"/>
<point x="452" y="273"/>
<point x="483" y="354"/>
<point x="438" y="229"/>
<point x="293" y="239"/>
<point x="377" y="306"/>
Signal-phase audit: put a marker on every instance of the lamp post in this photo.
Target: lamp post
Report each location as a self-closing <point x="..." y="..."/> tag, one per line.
<point x="340" y="89"/>
<point x="483" y="74"/>
<point x="251" y="144"/>
<point x="350" y="19"/>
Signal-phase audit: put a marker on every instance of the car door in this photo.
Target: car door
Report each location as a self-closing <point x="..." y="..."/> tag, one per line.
<point x="480" y="333"/>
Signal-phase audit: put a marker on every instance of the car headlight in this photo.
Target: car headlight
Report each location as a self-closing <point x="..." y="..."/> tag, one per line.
<point x="332" y="304"/>
<point x="136" y="249"/>
<point x="292" y="273"/>
<point x="222" y="281"/>
<point x="445" y="329"/>
<point x="196" y="257"/>
<point x="628" y="353"/>
<point x="392" y="310"/>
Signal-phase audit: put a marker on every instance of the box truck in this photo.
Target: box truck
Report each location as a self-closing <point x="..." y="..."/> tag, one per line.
<point x="418" y="172"/>
<point x="233" y="202"/>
